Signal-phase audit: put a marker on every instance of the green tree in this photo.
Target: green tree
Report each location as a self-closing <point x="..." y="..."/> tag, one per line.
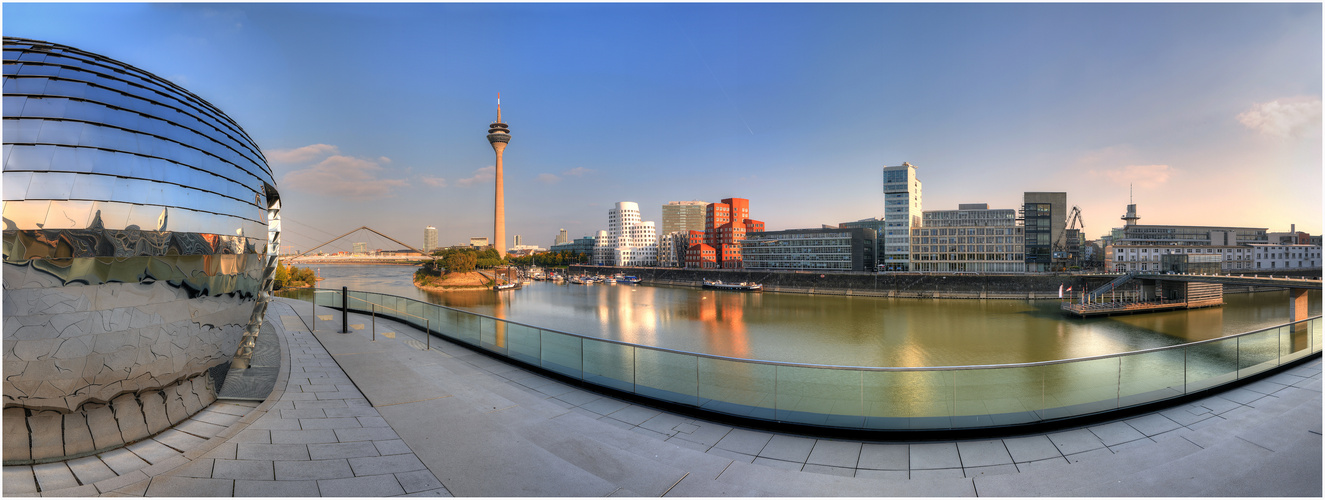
<point x="460" y="262"/>
<point x="282" y="275"/>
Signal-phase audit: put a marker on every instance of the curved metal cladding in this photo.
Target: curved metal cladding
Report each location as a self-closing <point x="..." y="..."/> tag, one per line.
<point x="135" y="243"/>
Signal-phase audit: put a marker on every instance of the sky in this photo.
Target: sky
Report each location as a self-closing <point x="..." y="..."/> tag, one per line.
<point x="376" y="114"/>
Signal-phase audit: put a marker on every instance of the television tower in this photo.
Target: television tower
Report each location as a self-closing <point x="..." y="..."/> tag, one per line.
<point x="498" y="135"/>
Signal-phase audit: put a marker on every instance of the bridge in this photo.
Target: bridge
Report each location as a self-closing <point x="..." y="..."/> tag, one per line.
<point x="359" y="258"/>
<point x="1164" y="291"/>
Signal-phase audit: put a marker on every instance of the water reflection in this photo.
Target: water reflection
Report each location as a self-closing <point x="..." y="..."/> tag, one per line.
<point x="838" y="330"/>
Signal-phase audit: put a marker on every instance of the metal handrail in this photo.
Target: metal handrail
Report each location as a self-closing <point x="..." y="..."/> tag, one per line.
<point x="860" y="368"/>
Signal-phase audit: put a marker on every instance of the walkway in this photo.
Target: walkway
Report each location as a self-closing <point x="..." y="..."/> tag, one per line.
<point x="358" y="417"/>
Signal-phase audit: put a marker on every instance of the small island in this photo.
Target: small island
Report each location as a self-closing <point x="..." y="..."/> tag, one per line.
<point x="454" y="269"/>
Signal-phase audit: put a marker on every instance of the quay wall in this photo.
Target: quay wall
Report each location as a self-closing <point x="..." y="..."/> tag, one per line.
<point x="900" y="285"/>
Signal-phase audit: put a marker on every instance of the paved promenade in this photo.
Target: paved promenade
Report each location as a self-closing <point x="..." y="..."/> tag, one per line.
<point x="352" y="416"/>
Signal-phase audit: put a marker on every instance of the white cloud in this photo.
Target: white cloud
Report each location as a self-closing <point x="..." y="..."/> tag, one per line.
<point x="1294" y="117"/>
<point x="302" y="155"/>
<point x="434" y="181"/>
<point x="548" y="178"/>
<point x="481" y="176"/>
<point x="1142" y="176"/>
<point x="577" y="171"/>
<point x="343" y="177"/>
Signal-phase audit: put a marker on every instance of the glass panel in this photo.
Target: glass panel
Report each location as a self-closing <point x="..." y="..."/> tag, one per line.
<point x="820" y="396"/>
<point x="1151" y="376"/>
<point x="997" y="396"/>
<point x="495" y="331"/>
<point x="1080" y="388"/>
<point x="908" y="400"/>
<point x="465" y="327"/>
<point x="562" y="354"/>
<point x="667" y="376"/>
<point x="1295" y="341"/>
<point x="1258" y="352"/>
<point x="523" y="343"/>
<point x="609" y="365"/>
<point x="488" y="333"/>
<point x="1211" y="364"/>
<point x="1315" y="334"/>
<point x="737" y="388"/>
<point x="414" y="309"/>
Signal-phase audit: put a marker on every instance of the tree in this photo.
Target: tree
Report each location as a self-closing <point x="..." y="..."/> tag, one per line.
<point x="460" y="262"/>
<point x="282" y="275"/>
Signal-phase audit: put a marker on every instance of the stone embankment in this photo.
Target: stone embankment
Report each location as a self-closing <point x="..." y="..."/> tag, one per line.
<point x="899" y="285"/>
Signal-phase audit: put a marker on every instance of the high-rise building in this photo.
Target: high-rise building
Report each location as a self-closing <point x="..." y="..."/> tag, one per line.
<point x="1045" y="216"/>
<point x="498" y="136"/>
<point x="562" y="238"/>
<point x="901" y="212"/>
<point x="517" y="240"/>
<point x="683" y="216"/>
<point x="972" y="238"/>
<point x="628" y="241"/>
<point x="360" y="247"/>
<point x="429" y="239"/>
<point x="725" y="226"/>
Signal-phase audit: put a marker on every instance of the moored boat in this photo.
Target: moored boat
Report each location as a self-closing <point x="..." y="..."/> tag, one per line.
<point x="742" y="286"/>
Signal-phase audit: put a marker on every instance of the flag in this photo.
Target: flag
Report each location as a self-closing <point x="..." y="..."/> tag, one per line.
<point x="1060" y="291"/>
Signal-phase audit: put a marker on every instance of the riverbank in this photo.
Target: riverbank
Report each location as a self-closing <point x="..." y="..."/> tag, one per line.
<point x="893" y="285"/>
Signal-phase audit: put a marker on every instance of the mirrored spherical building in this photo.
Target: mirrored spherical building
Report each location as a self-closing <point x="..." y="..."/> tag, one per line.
<point x="140" y="228"/>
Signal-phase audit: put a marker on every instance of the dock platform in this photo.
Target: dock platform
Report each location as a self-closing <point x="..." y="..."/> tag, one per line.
<point x="1111" y="308"/>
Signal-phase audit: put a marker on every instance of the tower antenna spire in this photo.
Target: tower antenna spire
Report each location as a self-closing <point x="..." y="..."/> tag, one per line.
<point x="499" y="107"/>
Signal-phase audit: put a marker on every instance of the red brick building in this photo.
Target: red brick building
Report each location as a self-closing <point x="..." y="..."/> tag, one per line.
<point x="725" y="226"/>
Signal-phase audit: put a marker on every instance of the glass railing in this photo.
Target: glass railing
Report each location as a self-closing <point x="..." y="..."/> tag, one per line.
<point x="856" y="397"/>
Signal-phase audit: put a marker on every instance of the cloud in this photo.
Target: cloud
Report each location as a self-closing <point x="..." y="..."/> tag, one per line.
<point x="345" y="177"/>
<point x="302" y="155"/>
<point x="481" y="176"/>
<point x="1294" y="117"/>
<point x="439" y="182"/>
<point x="577" y="171"/>
<point x="548" y="178"/>
<point x="1142" y="176"/>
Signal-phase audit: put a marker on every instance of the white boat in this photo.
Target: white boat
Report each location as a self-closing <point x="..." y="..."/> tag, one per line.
<point x="743" y="286"/>
<point x="506" y="286"/>
<point x="633" y="280"/>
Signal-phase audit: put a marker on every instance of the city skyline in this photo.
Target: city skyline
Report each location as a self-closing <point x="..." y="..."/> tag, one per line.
<point x="1198" y="114"/>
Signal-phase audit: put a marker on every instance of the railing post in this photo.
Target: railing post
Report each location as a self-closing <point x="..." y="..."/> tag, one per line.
<point x="345" y="309"/>
<point x="373" y="307"/>
<point x="427" y="332"/>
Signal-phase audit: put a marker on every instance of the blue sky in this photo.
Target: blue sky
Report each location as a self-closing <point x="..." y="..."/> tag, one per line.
<point x="375" y="114"/>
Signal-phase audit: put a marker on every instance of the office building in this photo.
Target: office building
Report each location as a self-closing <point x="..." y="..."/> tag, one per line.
<point x="901" y="212"/>
<point x="680" y="216"/>
<point x="562" y="238"/>
<point x="1045" y="217"/>
<point x="725" y="224"/>
<point x="429" y="239"/>
<point x="826" y="249"/>
<point x="1137" y="247"/>
<point x="125" y="197"/>
<point x="1285" y="257"/>
<point x="478" y="241"/>
<point x="628" y="241"/>
<point x="583" y="245"/>
<point x="971" y="239"/>
<point x="360" y="247"/>
<point x="672" y="249"/>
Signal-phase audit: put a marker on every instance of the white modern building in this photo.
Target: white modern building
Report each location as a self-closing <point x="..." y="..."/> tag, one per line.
<point x="1276" y="257"/>
<point x="628" y="241"/>
<point x="901" y="212"/>
<point x="1149" y="257"/>
<point x="429" y="239"/>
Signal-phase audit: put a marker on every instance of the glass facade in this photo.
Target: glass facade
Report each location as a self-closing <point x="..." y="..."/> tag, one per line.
<point x="811" y="249"/>
<point x="971" y="240"/>
<point x="131" y="208"/>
